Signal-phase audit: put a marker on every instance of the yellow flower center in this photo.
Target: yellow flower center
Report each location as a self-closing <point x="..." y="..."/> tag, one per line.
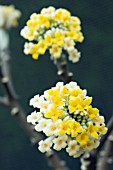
<point x="60" y="141"/>
<point x="72" y="147"/>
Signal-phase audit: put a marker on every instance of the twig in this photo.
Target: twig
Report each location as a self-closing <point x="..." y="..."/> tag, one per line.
<point x="55" y="162"/>
<point x="5" y="76"/>
<point x="16" y="109"/>
<point x="105" y="156"/>
<point x="11" y="99"/>
<point x="3" y="101"/>
<point x="62" y="68"/>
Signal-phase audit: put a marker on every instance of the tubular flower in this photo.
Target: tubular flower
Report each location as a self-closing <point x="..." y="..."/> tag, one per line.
<point x="65" y="115"/>
<point x="9" y="16"/>
<point x="55" y="30"/>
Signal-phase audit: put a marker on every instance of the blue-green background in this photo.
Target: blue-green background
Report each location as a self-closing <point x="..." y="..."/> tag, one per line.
<point x="94" y="72"/>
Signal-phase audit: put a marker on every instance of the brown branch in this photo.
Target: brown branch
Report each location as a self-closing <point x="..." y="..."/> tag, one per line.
<point x="105" y="156"/>
<point x="63" y="70"/>
<point x="3" y="101"/>
<point x="55" y="162"/>
<point x="12" y="100"/>
<point x="5" y="76"/>
<point x="16" y="109"/>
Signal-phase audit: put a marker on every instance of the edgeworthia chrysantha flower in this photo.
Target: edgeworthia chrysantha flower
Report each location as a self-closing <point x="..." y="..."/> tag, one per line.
<point x="65" y="115"/>
<point x="53" y="29"/>
<point x="8" y="16"/>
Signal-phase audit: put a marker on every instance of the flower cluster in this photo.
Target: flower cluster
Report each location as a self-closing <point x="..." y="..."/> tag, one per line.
<point x="53" y="29"/>
<point x="8" y="16"/>
<point x="65" y="115"/>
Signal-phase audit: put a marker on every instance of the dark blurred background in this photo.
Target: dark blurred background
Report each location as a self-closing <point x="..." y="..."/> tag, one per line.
<point x="94" y="72"/>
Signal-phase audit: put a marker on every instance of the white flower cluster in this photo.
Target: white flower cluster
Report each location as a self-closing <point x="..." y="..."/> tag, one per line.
<point x="8" y="16"/>
<point x="53" y="29"/>
<point x="64" y="114"/>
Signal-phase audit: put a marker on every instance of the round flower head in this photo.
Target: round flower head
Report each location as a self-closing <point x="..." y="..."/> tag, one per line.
<point x="68" y="119"/>
<point x="8" y="16"/>
<point x="55" y="30"/>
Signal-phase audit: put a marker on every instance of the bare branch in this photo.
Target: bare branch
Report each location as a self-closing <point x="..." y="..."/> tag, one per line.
<point x="3" y="101"/>
<point x="105" y="156"/>
<point x="5" y="76"/>
<point x="16" y="109"/>
<point x="62" y="68"/>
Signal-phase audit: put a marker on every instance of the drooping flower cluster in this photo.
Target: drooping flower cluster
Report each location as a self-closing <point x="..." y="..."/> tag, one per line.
<point x="65" y="115"/>
<point x="53" y="29"/>
<point x="8" y="16"/>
